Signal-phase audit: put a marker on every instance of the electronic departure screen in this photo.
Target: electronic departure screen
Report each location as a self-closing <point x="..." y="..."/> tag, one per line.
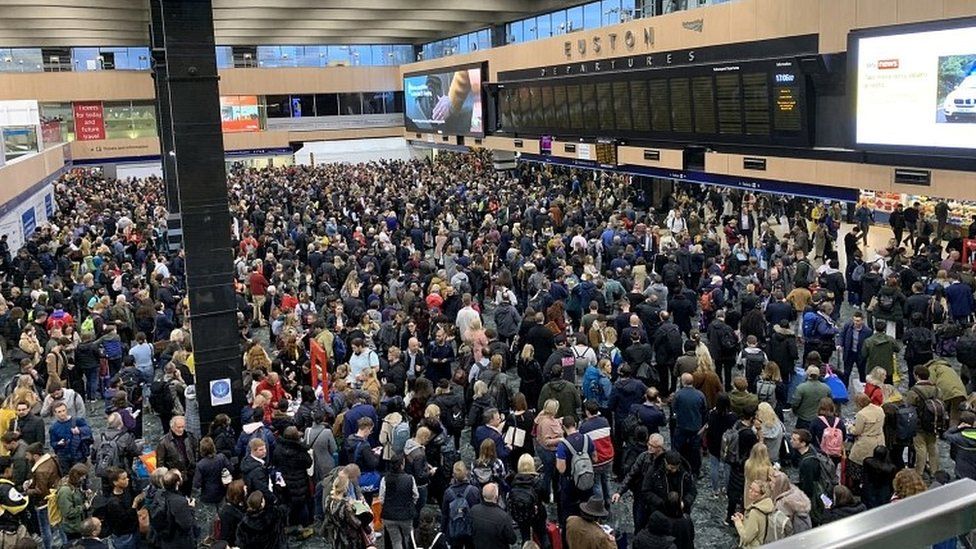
<point x="749" y="102"/>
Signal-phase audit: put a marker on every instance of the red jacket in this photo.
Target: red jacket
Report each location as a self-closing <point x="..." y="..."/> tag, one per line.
<point x="258" y="284"/>
<point x="276" y="390"/>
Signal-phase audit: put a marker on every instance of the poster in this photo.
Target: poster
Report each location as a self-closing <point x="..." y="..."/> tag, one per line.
<point x="49" y="205"/>
<point x="89" y="120"/>
<point x="239" y="113"/>
<point x="29" y="222"/>
<point x="220" y="392"/>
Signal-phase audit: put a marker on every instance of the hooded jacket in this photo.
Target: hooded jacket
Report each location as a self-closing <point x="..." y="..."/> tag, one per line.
<point x="262" y="529"/>
<point x="596" y="385"/>
<point x="291" y="459"/>
<point x="252" y="430"/>
<point x="752" y="530"/>
<point x="566" y="393"/>
<point x="415" y="462"/>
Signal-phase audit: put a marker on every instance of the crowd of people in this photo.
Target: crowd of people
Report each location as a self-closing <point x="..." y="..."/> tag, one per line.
<point x="437" y="354"/>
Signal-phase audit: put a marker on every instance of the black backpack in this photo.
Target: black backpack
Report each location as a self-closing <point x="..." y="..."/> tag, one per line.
<point x="523" y="504"/>
<point x="161" y="397"/>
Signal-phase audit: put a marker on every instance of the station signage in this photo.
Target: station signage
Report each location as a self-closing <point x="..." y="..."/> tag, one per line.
<point x="89" y="120"/>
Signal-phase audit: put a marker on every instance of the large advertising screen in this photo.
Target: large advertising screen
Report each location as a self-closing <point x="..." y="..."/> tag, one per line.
<point x="914" y="87"/>
<point x="239" y="113"/>
<point x="448" y="101"/>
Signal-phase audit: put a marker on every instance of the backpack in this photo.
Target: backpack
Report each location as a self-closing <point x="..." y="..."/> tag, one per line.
<point x="755" y="362"/>
<point x="523" y="504"/>
<point x="338" y="350"/>
<point x="499" y="393"/>
<point x="729" y="341"/>
<point x="399" y="436"/>
<point x="886" y="302"/>
<point x="53" y="509"/>
<point x="809" y="324"/>
<point x="159" y="518"/>
<point x="706" y="303"/>
<point x="459" y="517"/>
<point x="828" y="472"/>
<point x="832" y="440"/>
<point x="108" y="454"/>
<point x="804" y="273"/>
<point x="482" y="474"/>
<point x="595" y="390"/>
<point x="88" y="325"/>
<point x="932" y="417"/>
<point x="455" y="419"/>
<point x="906" y="423"/>
<point x="161" y="398"/>
<point x="112" y="349"/>
<point x="858" y="273"/>
<point x="766" y="391"/>
<point x="778" y="526"/>
<point x="730" y="445"/>
<point x="581" y="465"/>
<point x="606" y="353"/>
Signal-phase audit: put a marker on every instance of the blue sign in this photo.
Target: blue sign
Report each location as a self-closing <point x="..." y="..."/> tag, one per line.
<point x="49" y="205"/>
<point x="29" y="222"/>
<point x="220" y="392"/>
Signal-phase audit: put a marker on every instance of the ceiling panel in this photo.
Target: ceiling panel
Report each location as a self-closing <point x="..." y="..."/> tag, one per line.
<point x="26" y="23"/>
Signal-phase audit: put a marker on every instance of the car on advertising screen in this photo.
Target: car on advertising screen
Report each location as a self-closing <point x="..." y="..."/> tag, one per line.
<point x="961" y="102"/>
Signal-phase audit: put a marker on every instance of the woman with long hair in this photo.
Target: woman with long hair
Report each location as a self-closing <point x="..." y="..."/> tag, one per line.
<point x="706" y="380"/>
<point x="771" y="430"/>
<point x="530" y="372"/>
<point x="344" y="526"/>
<point x="548" y="433"/>
<point x="519" y="423"/>
<point x="757" y="468"/>
<point x="489" y="468"/>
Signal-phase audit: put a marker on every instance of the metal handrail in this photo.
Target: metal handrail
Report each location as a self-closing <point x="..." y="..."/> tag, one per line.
<point x="919" y="521"/>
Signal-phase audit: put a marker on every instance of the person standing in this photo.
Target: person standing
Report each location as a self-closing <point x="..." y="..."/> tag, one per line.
<point x="176" y="527"/>
<point x="121" y="520"/>
<point x="879" y="349"/>
<point x="926" y="452"/>
<point x="179" y="449"/>
<point x="45" y="475"/>
<point x="28" y="425"/>
<point x="583" y="530"/>
<point x="71" y="437"/>
<point x="806" y="399"/>
<point x="291" y="459"/>
<point x="399" y="495"/>
<point x="941" y="218"/>
<point x="896" y="219"/>
<point x="574" y="446"/>
<point x="852" y="338"/>
<point x="912" y="214"/>
<point x="491" y="525"/>
<point x="597" y="428"/>
<point x="864" y="216"/>
<point x="689" y="408"/>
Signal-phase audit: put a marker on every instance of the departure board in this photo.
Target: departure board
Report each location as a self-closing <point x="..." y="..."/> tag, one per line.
<point x="728" y="93"/>
<point x="755" y="91"/>
<point x="660" y="105"/>
<point x="681" y="105"/>
<point x="560" y="107"/>
<point x="703" y="97"/>
<point x="622" y="105"/>
<point x="537" y="112"/>
<point x="640" y="105"/>
<point x="749" y="102"/>
<point x="547" y="107"/>
<point x="575" y="105"/>
<point x="591" y="115"/>
<point x="786" y="103"/>
<point x="604" y="101"/>
<point x="606" y="154"/>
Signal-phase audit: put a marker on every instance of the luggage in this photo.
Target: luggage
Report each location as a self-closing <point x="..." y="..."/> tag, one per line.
<point x="555" y="537"/>
<point x="838" y="389"/>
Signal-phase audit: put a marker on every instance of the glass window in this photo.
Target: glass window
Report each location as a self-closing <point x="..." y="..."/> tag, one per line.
<point x="326" y="104"/>
<point x="360" y="55"/>
<point x="350" y="103"/>
<point x="279" y="106"/>
<point x="118" y="120"/>
<point x="389" y="102"/>
<point x="339" y="54"/>
<point x="484" y="39"/>
<point x="21" y="60"/>
<point x="144" y="119"/>
<point x="225" y="57"/>
<point x="63" y="113"/>
<point x="559" y="22"/>
<point x="544" y="25"/>
<point x="403" y="54"/>
<point x="574" y="19"/>
<point x="517" y="33"/>
<point x="268" y="56"/>
<point x="591" y="16"/>
<point x="19" y="140"/>
<point x="373" y="102"/>
<point x="611" y="12"/>
<point x="531" y="30"/>
<point x="628" y="7"/>
<point x="398" y="101"/>
<point x="302" y="105"/>
<point x="84" y="59"/>
<point x="290" y="55"/>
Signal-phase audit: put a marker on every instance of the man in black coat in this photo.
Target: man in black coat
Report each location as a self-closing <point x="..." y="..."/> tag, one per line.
<point x="28" y="425"/>
<point x="490" y="524"/>
<point x="667" y="348"/>
<point x="255" y="470"/>
<point x="919" y="302"/>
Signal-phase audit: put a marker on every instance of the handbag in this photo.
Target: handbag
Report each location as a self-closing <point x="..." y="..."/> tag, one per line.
<point x="369" y="481"/>
<point x="838" y="389"/>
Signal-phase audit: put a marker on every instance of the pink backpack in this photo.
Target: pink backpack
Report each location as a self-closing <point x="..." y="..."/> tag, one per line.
<point x="832" y="441"/>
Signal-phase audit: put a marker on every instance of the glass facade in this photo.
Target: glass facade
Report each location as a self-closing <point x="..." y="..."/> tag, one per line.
<point x="120" y="59"/>
<point x="324" y="56"/>
<point x="332" y="104"/>
<point x="129" y="119"/>
<point x="464" y="43"/>
<point x="21" y="60"/>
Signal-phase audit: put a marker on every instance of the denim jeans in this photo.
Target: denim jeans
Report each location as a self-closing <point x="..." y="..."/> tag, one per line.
<point x="91" y="378"/>
<point x="718" y="473"/>
<point x="48" y="534"/>
<point x="548" y="458"/>
<point x="601" y="483"/>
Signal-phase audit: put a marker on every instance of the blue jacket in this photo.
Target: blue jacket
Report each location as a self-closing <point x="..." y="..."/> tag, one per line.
<point x="69" y="447"/>
<point x="484" y="432"/>
<point x="650" y="416"/>
<point x="596" y="386"/>
<point x="960" y="298"/>
<point x="352" y="418"/>
<point x="689" y="409"/>
<point x="853" y="355"/>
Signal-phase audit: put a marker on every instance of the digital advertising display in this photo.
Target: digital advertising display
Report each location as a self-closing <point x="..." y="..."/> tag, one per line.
<point x="915" y="86"/>
<point x="449" y="101"/>
<point x="239" y="113"/>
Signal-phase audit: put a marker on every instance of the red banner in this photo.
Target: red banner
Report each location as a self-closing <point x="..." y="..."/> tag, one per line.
<point x="51" y="133"/>
<point x="89" y="120"/>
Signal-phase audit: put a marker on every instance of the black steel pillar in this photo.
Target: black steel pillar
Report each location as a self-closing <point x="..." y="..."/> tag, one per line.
<point x="183" y="45"/>
<point x="164" y="119"/>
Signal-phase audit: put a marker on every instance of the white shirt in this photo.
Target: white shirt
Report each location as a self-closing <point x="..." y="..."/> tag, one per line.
<point x="357" y="363"/>
<point x="465" y="318"/>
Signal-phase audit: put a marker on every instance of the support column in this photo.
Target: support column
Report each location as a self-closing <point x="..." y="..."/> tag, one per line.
<point x="196" y="189"/>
